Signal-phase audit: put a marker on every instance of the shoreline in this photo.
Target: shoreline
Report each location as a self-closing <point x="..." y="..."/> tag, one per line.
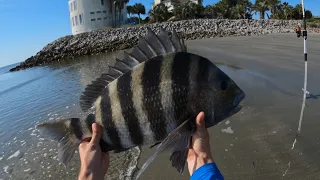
<point x="109" y="40"/>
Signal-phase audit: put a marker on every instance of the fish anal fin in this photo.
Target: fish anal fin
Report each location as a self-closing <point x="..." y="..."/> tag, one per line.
<point x="155" y="145"/>
<point x="176" y="141"/>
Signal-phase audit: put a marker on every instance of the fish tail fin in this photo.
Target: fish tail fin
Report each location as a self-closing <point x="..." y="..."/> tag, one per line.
<point x="68" y="134"/>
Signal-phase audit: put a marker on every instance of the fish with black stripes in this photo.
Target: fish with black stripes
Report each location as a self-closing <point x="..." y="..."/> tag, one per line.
<point x="150" y="98"/>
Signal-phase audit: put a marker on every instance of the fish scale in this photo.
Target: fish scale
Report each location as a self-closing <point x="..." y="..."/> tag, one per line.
<point x="151" y="97"/>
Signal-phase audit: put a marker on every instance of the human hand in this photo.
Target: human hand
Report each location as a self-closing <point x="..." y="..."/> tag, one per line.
<point x="94" y="163"/>
<point x="199" y="151"/>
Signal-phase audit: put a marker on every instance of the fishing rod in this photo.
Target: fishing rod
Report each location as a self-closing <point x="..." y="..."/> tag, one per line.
<point x="305" y="92"/>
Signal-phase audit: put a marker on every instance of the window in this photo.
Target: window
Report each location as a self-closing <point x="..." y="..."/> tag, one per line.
<point x="91" y="12"/>
<point x="99" y="18"/>
<point x="104" y="11"/>
<point x="70" y="7"/>
<point x="102" y="3"/>
<point x="98" y="12"/>
<point x="72" y="21"/>
<point x="80" y="19"/>
<point x="74" y="5"/>
<point x="105" y="18"/>
<point x="76" y="20"/>
<point x="93" y="19"/>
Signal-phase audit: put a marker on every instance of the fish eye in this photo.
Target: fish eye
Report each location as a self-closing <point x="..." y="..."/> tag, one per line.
<point x="224" y="85"/>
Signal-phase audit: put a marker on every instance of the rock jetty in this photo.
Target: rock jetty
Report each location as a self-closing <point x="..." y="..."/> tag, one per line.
<point x="108" y="40"/>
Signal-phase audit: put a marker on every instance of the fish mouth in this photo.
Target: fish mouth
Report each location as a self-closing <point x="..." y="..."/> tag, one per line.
<point x="236" y="103"/>
<point x="238" y="99"/>
<point x="237" y="109"/>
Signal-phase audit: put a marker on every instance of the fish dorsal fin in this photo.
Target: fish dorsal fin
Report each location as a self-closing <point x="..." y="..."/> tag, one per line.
<point x="93" y="90"/>
<point x="147" y="48"/>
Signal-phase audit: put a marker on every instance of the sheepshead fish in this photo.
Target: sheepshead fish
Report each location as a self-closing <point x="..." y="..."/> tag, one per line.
<point x="151" y="97"/>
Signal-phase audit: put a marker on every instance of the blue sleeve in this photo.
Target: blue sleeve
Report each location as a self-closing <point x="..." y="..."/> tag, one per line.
<point x="207" y="172"/>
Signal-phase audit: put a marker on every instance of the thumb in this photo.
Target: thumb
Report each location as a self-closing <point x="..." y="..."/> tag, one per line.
<point x="200" y="123"/>
<point x="96" y="133"/>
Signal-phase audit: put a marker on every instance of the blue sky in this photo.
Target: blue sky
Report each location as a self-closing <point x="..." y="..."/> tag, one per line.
<point x="27" y="26"/>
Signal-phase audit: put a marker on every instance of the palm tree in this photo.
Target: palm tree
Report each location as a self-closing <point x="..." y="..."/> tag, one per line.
<point x="308" y="14"/>
<point x="264" y="5"/>
<point x="286" y="9"/>
<point x="130" y="10"/>
<point x="160" y="13"/>
<point x="120" y="5"/>
<point x="111" y="11"/>
<point x="261" y="6"/>
<point x="274" y="5"/>
<point x="299" y="13"/>
<point x="210" y="11"/>
<point x="188" y="10"/>
<point x="139" y="9"/>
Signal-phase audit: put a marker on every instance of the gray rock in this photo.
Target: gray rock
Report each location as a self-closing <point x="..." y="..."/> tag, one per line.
<point x="101" y="41"/>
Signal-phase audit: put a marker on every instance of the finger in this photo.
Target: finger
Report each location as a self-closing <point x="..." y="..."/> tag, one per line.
<point x="83" y="144"/>
<point x="105" y="157"/>
<point x="96" y="134"/>
<point x="105" y="161"/>
<point x="200" y="123"/>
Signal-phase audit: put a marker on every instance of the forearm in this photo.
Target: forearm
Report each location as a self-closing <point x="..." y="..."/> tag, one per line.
<point x="86" y="174"/>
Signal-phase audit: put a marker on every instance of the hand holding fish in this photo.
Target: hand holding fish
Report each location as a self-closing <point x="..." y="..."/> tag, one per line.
<point x="94" y="163"/>
<point x="199" y="151"/>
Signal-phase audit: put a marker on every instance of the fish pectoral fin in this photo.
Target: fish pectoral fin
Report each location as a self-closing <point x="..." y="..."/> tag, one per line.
<point x="178" y="159"/>
<point x="176" y="142"/>
<point x="63" y="132"/>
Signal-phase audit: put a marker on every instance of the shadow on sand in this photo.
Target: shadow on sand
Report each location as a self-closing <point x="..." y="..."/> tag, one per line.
<point x="312" y="96"/>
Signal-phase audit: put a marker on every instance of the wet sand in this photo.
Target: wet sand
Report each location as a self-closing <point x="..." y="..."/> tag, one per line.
<point x="256" y="143"/>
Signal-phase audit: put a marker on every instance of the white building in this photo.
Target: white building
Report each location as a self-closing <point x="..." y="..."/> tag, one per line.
<point x="169" y="3"/>
<point x="88" y="15"/>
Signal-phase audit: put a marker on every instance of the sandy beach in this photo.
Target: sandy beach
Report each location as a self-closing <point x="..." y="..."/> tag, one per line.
<point x="253" y="144"/>
<point x="256" y="143"/>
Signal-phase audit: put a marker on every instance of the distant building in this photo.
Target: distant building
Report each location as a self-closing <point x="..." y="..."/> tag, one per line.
<point x="88" y="15"/>
<point x="169" y="3"/>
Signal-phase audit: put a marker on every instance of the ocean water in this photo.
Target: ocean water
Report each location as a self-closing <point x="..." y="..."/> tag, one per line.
<point x="39" y="94"/>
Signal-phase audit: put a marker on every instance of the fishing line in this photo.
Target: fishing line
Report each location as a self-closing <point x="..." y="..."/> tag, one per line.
<point x="305" y="92"/>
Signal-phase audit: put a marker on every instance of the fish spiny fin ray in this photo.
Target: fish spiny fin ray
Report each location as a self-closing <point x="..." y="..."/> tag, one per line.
<point x="139" y="54"/>
<point x="177" y="42"/>
<point x="155" y="42"/>
<point x="122" y="65"/>
<point x="93" y="90"/>
<point x="130" y="59"/>
<point x="147" y="48"/>
<point x="117" y="70"/>
<point x="166" y="41"/>
<point x="177" y="142"/>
